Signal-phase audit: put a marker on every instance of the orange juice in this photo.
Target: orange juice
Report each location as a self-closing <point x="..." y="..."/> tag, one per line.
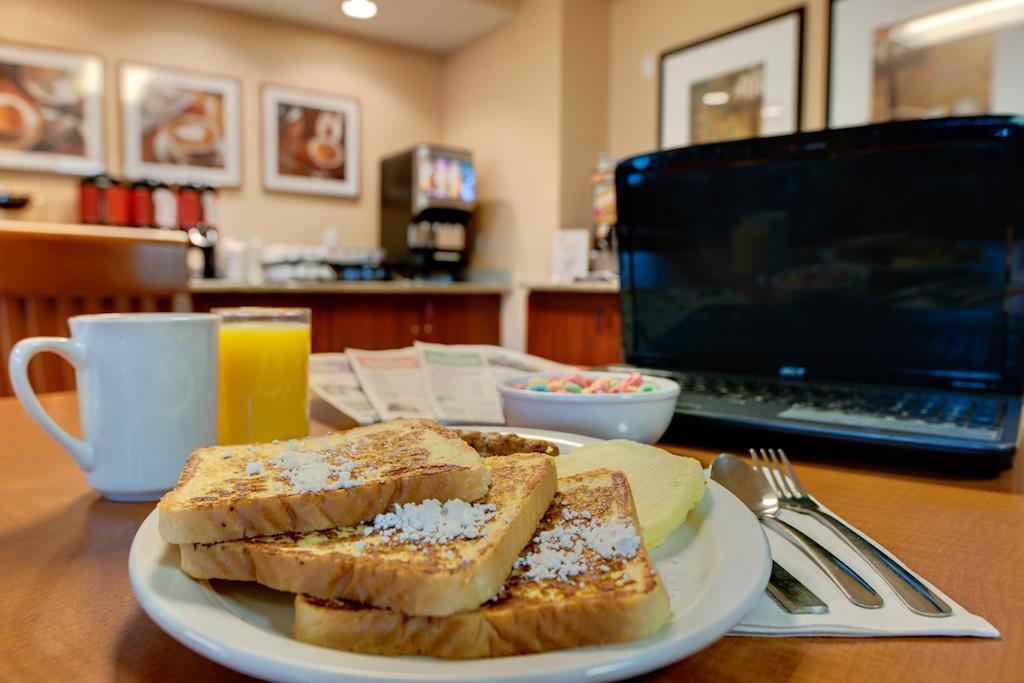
<point x="263" y="379"/>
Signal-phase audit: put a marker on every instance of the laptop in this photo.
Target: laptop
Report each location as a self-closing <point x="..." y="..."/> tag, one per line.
<point x="861" y="284"/>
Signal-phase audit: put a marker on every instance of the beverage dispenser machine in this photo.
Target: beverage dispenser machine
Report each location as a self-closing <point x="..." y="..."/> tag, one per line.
<point x="427" y="198"/>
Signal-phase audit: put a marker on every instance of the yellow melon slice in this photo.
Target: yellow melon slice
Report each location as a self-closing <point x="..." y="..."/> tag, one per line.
<point x="665" y="486"/>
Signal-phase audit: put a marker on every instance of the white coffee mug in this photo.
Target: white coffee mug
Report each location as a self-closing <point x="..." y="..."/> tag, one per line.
<point x="147" y="395"/>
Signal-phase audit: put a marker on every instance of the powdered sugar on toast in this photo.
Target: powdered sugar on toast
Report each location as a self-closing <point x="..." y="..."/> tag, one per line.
<point x="434" y="522"/>
<point x="312" y="471"/>
<point x="560" y="552"/>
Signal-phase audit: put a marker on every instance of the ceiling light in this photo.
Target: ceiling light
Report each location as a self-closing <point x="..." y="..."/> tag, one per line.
<point x="715" y="98"/>
<point x="359" y="9"/>
<point x="959" y="22"/>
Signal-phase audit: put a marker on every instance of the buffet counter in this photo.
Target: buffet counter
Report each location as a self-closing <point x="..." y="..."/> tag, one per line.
<point x="404" y="287"/>
<point x="373" y="315"/>
<point x="586" y="287"/>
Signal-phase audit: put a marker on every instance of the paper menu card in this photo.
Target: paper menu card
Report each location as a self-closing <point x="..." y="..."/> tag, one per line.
<point x="570" y="254"/>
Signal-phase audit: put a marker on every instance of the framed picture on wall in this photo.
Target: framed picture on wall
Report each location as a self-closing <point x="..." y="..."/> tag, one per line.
<point x="744" y="83"/>
<point x="924" y="58"/>
<point x="179" y="126"/>
<point x="51" y="110"/>
<point x="310" y="142"/>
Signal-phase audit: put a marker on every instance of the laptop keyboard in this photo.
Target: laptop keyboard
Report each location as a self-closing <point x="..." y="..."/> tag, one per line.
<point x="916" y="412"/>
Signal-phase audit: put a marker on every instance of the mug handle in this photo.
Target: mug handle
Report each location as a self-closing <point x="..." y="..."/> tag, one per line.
<point x="21" y="354"/>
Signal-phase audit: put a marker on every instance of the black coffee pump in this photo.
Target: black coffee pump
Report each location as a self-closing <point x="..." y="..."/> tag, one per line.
<point x="204" y="235"/>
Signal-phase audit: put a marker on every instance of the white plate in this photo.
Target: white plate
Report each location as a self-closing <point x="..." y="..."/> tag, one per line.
<point x="715" y="567"/>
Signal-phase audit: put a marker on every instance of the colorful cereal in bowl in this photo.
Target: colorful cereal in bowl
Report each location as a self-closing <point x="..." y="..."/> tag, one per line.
<point x="606" y="405"/>
<point x="578" y="384"/>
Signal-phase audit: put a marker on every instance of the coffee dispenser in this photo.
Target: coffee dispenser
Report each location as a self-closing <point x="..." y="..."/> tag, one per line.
<point x="428" y="194"/>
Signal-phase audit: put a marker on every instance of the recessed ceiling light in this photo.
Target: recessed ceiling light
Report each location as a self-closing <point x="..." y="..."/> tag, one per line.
<point x="359" y="9"/>
<point x="715" y="98"/>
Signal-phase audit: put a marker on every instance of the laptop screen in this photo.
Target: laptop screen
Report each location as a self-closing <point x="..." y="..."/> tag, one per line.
<point x="884" y="254"/>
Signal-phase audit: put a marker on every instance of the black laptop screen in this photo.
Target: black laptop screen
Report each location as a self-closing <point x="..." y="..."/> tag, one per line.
<point x="882" y="254"/>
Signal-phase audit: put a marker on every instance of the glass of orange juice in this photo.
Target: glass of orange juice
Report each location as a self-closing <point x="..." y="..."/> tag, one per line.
<point x="264" y="365"/>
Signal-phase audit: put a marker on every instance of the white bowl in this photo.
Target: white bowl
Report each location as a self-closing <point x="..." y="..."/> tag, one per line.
<point x="642" y="416"/>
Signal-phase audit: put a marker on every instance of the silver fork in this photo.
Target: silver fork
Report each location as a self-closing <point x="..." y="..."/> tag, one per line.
<point x="793" y="496"/>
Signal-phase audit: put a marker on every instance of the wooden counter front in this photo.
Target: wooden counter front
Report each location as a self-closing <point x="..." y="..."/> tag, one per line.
<point x="578" y="324"/>
<point x="377" y="315"/>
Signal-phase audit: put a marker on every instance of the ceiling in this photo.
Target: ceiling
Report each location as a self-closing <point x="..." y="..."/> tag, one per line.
<point x="435" y="25"/>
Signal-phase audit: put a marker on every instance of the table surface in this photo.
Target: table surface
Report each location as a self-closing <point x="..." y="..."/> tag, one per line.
<point x="68" y="611"/>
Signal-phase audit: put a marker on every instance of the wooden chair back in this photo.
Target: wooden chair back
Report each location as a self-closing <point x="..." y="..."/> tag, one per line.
<point x="49" y="273"/>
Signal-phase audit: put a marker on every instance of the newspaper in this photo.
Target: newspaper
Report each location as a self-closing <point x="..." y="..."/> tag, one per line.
<point x="461" y="379"/>
<point x="392" y="381"/>
<point x="460" y="385"/>
<point x="332" y="379"/>
<point x="505" y="363"/>
<point x="453" y="384"/>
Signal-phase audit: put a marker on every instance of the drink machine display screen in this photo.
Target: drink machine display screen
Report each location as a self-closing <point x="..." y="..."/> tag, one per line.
<point x="446" y="178"/>
<point x="428" y="195"/>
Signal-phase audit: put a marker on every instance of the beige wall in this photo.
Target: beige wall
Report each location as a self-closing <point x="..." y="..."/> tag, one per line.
<point x="531" y="101"/>
<point x="584" y="98"/>
<point x="502" y="101"/>
<point x="642" y="29"/>
<point x="398" y="89"/>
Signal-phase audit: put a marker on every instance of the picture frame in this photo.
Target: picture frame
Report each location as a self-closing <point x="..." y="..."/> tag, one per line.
<point x="741" y="83"/>
<point x="311" y="142"/>
<point x="923" y="58"/>
<point x="180" y="126"/>
<point x="51" y="110"/>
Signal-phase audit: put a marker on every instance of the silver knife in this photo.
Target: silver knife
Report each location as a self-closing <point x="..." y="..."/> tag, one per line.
<point x="791" y="595"/>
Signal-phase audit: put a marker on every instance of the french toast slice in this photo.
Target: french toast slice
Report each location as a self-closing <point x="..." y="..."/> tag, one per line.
<point x="230" y="492"/>
<point x="433" y="564"/>
<point x="545" y="604"/>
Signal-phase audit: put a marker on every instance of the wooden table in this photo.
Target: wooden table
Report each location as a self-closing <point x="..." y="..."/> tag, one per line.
<point x="68" y="613"/>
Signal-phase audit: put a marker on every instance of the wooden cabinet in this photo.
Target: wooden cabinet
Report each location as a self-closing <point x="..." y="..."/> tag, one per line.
<point x="379" y="321"/>
<point x="579" y="328"/>
<point x="461" y="319"/>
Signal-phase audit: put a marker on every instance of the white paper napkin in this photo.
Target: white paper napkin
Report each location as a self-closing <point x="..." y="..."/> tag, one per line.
<point x="844" y="618"/>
